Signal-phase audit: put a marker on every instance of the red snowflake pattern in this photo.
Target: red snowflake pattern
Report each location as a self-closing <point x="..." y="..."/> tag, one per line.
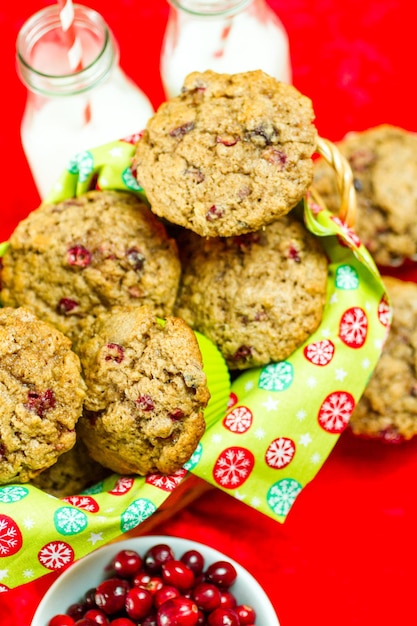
<point x="353" y="328"/>
<point x="320" y="352"/>
<point x="166" y="483"/>
<point x="3" y="588"/>
<point x="133" y="139"/>
<point x="350" y="237"/>
<point x="122" y="486"/>
<point x="280" y="452"/>
<point x="232" y="400"/>
<point x="233" y="467"/>
<point x="384" y="311"/>
<point x="335" y="411"/>
<point x="83" y="502"/>
<point x="10" y="536"/>
<point x="239" y="420"/>
<point x="55" y="555"/>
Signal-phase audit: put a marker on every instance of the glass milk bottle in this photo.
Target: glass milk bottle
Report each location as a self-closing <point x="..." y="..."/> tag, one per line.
<point x="226" y="36"/>
<point x="70" y="110"/>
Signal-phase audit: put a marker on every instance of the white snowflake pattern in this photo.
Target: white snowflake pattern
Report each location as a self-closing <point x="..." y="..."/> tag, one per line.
<point x="333" y="298"/>
<point x="311" y="382"/>
<point x="316" y="458"/>
<point x="216" y="438"/>
<point x="240" y="496"/>
<point x="326" y="332"/>
<point x="305" y="439"/>
<point x="259" y="433"/>
<point x="301" y="415"/>
<point x="28" y="573"/>
<point x="94" y="537"/>
<point x="340" y="374"/>
<point x="116" y="151"/>
<point x="271" y="404"/>
<point x="255" y="502"/>
<point x="4" y="573"/>
<point x="347" y="277"/>
<point x="28" y="523"/>
<point x="249" y="385"/>
<point x="366" y="363"/>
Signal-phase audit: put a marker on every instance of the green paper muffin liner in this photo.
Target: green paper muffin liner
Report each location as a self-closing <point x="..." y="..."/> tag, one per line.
<point x="268" y="433"/>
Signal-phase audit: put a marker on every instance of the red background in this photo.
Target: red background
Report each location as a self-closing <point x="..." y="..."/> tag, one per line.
<point x="346" y="554"/>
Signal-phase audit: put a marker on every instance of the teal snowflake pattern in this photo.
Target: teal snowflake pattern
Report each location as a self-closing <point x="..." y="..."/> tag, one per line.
<point x="129" y="180"/>
<point x="70" y="521"/>
<point x="276" y="376"/>
<point x="82" y="164"/>
<point x="136" y="513"/>
<point x="347" y="277"/>
<point x="194" y="459"/>
<point x="13" y="494"/>
<point x="282" y="494"/>
<point x="97" y="488"/>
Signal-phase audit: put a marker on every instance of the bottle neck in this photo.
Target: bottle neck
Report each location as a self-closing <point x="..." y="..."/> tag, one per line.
<point x="43" y="63"/>
<point x="210" y="8"/>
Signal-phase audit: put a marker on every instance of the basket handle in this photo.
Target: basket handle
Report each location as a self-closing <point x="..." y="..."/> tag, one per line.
<point x="344" y="180"/>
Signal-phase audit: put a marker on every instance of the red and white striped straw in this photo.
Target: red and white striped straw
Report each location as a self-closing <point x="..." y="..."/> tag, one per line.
<point x="75" y="52"/>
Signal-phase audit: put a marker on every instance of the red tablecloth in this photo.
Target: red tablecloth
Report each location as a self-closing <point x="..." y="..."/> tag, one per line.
<point x="346" y="554"/>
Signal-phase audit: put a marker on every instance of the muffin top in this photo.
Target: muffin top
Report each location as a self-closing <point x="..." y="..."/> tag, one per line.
<point x="70" y="261"/>
<point x="384" y="166"/>
<point x="146" y="391"/>
<point x="41" y="395"/>
<point x="228" y="155"/>
<point x="257" y="296"/>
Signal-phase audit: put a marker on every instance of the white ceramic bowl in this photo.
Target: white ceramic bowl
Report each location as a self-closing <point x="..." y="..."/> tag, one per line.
<point x="86" y="573"/>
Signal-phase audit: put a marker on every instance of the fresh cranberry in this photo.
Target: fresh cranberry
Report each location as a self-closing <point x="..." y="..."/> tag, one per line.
<point x="221" y="573"/>
<point x="177" y="611"/>
<point x="227" y="599"/>
<point x="167" y="592"/>
<point x="206" y="596"/>
<point x="126" y="563"/>
<point x="176" y="573"/>
<point x="201" y="621"/>
<point x="61" y="620"/>
<point x="76" y="610"/>
<point x="223" y="617"/>
<point x="122" y="621"/>
<point x="148" y="582"/>
<point x="246" y="614"/>
<point x="90" y="599"/>
<point x="78" y="256"/>
<point x="194" y="560"/>
<point x="156" y="556"/>
<point x="97" y="617"/>
<point x="110" y="595"/>
<point x="149" y="620"/>
<point x="84" y="622"/>
<point x="138" y="603"/>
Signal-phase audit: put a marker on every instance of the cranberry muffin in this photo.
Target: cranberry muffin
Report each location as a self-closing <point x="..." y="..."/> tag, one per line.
<point x="384" y="165"/>
<point x="71" y="261"/>
<point x="256" y="296"/>
<point x="146" y="392"/>
<point x="41" y="395"/>
<point x="387" y="409"/>
<point x="230" y="154"/>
